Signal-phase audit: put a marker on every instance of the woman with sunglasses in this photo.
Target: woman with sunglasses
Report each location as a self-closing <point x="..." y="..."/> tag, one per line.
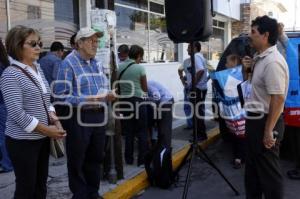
<point x="26" y="95"/>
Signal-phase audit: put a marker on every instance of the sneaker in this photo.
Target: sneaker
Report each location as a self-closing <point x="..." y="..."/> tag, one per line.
<point x="237" y="164"/>
<point x="142" y="166"/>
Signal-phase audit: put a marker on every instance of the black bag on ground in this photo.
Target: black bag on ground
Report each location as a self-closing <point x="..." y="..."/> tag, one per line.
<point x="158" y="165"/>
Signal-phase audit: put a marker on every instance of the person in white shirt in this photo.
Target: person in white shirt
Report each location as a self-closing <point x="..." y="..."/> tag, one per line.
<point x="201" y="89"/>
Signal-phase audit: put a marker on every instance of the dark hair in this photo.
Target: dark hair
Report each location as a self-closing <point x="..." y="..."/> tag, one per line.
<point x="123" y="49"/>
<point x="72" y="39"/>
<point x="197" y="46"/>
<point x="15" y="40"/>
<point x="234" y="57"/>
<point x="266" y="24"/>
<point x="135" y="51"/>
<point x="3" y="55"/>
<point x="56" y="46"/>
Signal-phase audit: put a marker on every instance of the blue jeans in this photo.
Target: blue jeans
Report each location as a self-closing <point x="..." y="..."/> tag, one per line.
<point x="5" y="161"/>
<point x="187" y="108"/>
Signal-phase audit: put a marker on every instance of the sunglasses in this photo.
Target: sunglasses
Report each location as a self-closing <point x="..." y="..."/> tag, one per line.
<point x="33" y="44"/>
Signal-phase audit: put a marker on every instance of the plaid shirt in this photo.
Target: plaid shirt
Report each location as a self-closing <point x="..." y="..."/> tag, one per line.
<point x="78" y="78"/>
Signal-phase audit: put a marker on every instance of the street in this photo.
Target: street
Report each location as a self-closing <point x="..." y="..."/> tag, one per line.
<point x="207" y="183"/>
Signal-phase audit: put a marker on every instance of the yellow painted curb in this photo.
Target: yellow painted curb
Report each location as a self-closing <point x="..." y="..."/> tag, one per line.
<point x="134" y="185"/>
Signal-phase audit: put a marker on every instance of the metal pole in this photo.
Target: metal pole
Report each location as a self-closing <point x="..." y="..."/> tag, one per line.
<point x="295" y="18"/>
<point x="105" y="4"/>
<point x="93" y="4"/>
<point x="8" y="15"/>
<point x="112" y="172"/>
<point x="148" y="31"/>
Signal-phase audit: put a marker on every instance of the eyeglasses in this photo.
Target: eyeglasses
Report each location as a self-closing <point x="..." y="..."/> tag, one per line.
<point x="90" y="40"/>
<point x="33" y="44"/>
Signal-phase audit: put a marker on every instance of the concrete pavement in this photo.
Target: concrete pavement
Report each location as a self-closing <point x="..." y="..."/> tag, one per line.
<point x="135" y="177"/>
<point x="207" y="183"/>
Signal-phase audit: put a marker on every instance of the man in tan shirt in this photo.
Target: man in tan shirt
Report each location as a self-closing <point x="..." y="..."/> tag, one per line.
<point x="264" y="108"/>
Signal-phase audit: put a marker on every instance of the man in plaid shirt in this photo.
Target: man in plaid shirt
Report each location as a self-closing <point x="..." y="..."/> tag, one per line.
<point x="82" y="85"/>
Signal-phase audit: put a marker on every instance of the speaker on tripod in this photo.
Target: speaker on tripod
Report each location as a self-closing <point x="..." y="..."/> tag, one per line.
<point x="190" y="21"/>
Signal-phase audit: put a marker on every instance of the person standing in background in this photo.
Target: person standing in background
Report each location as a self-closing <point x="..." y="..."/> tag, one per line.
<point x="185" y="78"/>
<point x="52" y="60"/>
<point x="123" y="51"/>
<point x="5" y="163"/>
<point x="132" y="95"/>
<point x="282" y="40"/>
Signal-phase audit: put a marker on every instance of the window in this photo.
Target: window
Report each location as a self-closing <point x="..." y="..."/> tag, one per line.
<point x="158" y="8"/>
<point x="214" y="48"/>
<point x="161" y="48"/>
<point x="145" y="27"/>
<point x="66" y="6"/>
<point x="55" y="20"/>
<point x="143" y="4"/>
<point x="131" y="27"/>
<point x="34" y="12"/>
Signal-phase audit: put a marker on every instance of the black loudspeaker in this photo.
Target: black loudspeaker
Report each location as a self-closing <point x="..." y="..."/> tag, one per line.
<point x="188" y="20"/>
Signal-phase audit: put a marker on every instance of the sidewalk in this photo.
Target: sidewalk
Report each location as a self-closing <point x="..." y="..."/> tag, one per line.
<point x="135" y="177"/>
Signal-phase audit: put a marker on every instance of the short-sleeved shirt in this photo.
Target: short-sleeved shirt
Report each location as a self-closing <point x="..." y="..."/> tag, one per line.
<point x="270" y="77"/>
<point x="200" y="64"/>
<point x="133" y="74"/>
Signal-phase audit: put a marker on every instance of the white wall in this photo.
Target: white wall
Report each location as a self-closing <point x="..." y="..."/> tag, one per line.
<point x="167" y="75"/>
<point x="229" y="8"/>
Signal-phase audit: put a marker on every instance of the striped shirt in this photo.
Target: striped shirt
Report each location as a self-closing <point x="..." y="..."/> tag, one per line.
<point x="24" y="102"/>
<point x="78" y="78"/>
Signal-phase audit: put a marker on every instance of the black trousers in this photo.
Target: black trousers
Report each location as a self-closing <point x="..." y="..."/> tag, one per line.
<point x="294" y="143"/>
<point x="238" y="147"/>
<point x="200" y="98"/>
<point x="30" y="159"/>
<point x="136" y="125"/>
<point x="85" y="148"/>
<point x="263" y="174"/>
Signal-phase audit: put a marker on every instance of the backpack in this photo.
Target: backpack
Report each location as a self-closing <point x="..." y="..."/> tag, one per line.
<point x="158" y="165"/>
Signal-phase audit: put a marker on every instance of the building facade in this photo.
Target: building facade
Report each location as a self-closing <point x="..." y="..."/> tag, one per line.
<point x="250" y="9"/>
<point x="56" y="20"/>
<point x="139" y="22"/>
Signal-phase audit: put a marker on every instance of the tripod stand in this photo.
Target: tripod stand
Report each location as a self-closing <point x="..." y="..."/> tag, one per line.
<point x="194" y="148"/>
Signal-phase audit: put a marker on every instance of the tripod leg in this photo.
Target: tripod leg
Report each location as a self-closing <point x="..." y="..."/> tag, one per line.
<point x="188" y="175"/>
<point x="210" y="162"/>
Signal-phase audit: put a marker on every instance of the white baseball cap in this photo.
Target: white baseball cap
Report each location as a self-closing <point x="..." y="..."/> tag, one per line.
<point x="87" y="32"/>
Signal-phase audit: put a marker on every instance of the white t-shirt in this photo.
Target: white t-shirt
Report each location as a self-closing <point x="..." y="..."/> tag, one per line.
<point x="200" y="64"/>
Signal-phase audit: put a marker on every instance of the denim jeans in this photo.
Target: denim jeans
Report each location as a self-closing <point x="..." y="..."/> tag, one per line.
<point x="4" y="161"/>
